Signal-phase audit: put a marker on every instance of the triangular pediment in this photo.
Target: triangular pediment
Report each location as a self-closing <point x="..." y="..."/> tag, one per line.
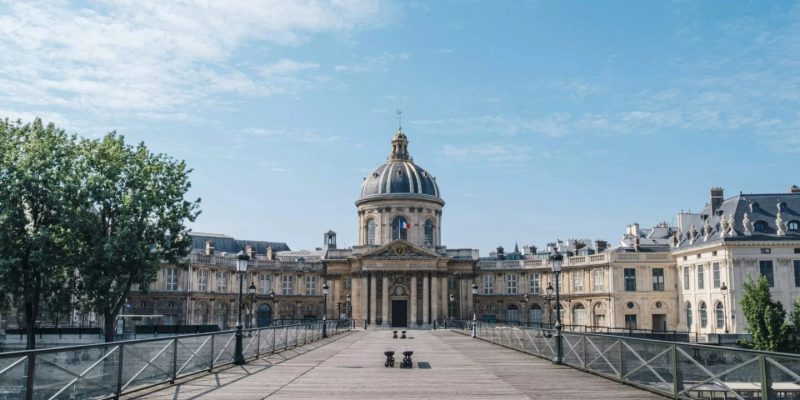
<point x="400" y="249"/>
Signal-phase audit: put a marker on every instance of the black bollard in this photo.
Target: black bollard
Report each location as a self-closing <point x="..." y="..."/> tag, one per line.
<point x="403" y="336"/>
<point x="394" y="336"/>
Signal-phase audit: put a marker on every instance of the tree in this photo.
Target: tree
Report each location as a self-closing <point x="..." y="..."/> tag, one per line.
<point x="794" y="319"/>
<point x="766" y="319"/>
<point x="136" y="221"/>
<point x="39" y="196"/>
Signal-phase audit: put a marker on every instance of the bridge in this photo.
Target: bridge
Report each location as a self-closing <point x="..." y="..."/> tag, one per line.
<point x="298" y="362"/>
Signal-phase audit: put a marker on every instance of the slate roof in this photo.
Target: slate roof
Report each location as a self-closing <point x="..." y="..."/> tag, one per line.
<point x="224" y="243"/>
<point x="761" y="210"/>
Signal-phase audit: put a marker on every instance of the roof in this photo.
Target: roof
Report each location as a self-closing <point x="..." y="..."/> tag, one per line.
<point x="754" y="217"/>
<point x="224" y="243"/>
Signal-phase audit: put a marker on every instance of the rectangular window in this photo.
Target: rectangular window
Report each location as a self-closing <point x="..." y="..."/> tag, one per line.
<point x="630" y="279"/>
<point x="797" y="250"/>
<point x="536" y="283"/>
<point x="701" y="277"/>
<point x="172" y="279"/>
<point x="796" y="273"/>
<point x="511" y="284"/>
<point x="658" y="279"/>
<point x="765" y="267"/>
<point x="264" y="283"/>
<point x="597" y="278"/>
<point x="222" y="281"/>
<point x="577" y="281"/>
<point x="288" y="284"/>
<point x="348" y="282"/>
<point x="452" y="283"/>
<point x="311" y="286"/>
<point x="630" y="321"/>
<point x="715" y="275"/>
<point x="488" y="284"/>
<point x="202" y="280"/>
<point x="687" y="276"/>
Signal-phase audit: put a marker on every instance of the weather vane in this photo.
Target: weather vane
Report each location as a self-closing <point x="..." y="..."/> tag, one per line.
<point x="399" y="118"/>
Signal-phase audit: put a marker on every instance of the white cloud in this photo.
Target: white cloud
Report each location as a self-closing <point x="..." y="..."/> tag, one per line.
<point x="372" y="64"/>
<point x="149" y="58"/>
<point x="488" y="152"/>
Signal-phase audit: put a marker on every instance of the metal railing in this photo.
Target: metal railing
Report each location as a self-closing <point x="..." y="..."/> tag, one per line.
<point x="677" y="370"/>
<point x="109" y="370"/>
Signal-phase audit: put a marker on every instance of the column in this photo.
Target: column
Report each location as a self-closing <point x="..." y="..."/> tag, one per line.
<point x="385" y="301"/>
<point x="336" y="286"/>
<point x="412" y="321"/>
<point x="435" y="297"/>
<point x="445" y="298"/>
<point x="363" y="300"/>
<point x="425" y="320"/>
<point x="470" y="306"/>
<point x="373" y="303"/>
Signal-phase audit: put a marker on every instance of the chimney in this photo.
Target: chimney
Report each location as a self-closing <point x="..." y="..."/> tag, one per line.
<point x="716" y="199"/>
<point x="500" y="254"/>
<point x="250" y="251"/>
<point x="600" y="246"/>
<point x="636" y="244"/>
<point x="794" y="189"/>
<point x="269" y="253"/>
<point x="209" y="248"/>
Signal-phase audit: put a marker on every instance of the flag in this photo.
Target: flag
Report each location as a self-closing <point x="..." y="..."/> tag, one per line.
<point x="404" y="225"/>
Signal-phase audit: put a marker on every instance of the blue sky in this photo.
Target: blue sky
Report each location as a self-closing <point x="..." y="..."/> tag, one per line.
<point x="540" y="119"/>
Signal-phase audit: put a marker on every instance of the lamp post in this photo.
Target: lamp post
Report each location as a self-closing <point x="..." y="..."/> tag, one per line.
<point x="241" y="268"/>
<point x="272" y="304"/>
<point x="347" y="305"/>
<point x="451" y="299"/>
<point x="474" y="315"/>
<point x="252" y="290"/>
<point x="555" y="264"/>
<point x="524" y="309"/>
<point x="324" y="309"/>
<point x="724" y="290"/>
<point x="547" y="298"/>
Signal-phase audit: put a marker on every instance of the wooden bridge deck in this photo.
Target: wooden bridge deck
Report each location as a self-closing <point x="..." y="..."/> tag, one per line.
<point x="453" y="366"/>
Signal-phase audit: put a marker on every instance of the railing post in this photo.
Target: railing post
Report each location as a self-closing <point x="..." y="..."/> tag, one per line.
<point x="621" y="361"/>
<point x="584" y="350"/>
<point x="174" y="359"/>
<point x="677" y="376"/>
<point x="286" y="338"/>
<point x="766" y="382"/>
<point x="274" y="338"/>
<point x="211" y="359"/>
<point x="31" y="367"/>
<point x="119" y="370"/>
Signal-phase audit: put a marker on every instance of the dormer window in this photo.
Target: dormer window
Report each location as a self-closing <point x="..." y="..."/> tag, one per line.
<point x="794" y="226"/>
<point x="760" y="226"/>
<point x="754" y="207"/>
<point x="782" y="206"/>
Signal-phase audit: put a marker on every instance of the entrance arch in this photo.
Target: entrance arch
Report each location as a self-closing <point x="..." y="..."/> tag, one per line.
<point x="264" y="315"/>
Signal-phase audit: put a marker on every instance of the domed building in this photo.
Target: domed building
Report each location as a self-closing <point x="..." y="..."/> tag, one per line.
<point x="400" y="274"/>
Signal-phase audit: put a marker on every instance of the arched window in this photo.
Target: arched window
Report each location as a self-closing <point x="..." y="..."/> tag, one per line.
<point x="535" y="315"/>
<point x="400" y="228"/>
<point x="760" y="226"/>
<point x="689" y="316"/>
<point x="429" y="233"/>
<point x="719" y="313"/>
<point x="579" y="314"/>
<point x="512" y="313"/>
<point x="264" y="315"/>
<point x="703" y="315"/>
<point x="794" y="226"/>
<point x="370" y="231"/>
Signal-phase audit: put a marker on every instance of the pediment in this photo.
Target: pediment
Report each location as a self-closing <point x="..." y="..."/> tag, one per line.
<point x="400" y="250"/>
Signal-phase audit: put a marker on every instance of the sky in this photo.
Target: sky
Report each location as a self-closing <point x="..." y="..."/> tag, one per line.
<point x="541" y="120"/>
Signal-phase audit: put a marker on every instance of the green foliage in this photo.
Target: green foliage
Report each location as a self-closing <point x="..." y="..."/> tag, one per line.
<point x="766" y="319"/>
<point x="794" y="320"/>
<point x="39" y="197"/>
<point x="134" y="223"/>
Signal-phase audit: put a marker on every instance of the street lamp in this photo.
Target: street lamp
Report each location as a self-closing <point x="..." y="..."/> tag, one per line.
<point x="547" y="299"/>
<point x="450" y="307"/>
<point x="474" y="315"/>
<point x="252" y="290"/>
<point x="324" y="309"/>
<point x="274" y="308"/>
<point x="724" y="290"/>
<point x="347" y="306"/>
<point x="555" y="264"/>
<point x="241" y="268"/>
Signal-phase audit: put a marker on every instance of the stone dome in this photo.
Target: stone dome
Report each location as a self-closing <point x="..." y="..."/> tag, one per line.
<point x="400" y="176"/>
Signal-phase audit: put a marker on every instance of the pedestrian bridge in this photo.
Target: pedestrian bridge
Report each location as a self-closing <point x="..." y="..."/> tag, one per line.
<point x="447" y="365"/>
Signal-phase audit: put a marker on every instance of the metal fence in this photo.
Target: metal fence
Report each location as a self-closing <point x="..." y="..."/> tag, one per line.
<point x="108" y="370"/>
<point x="677" y="370"/>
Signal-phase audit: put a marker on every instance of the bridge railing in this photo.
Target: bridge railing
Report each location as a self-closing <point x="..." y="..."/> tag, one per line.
<point x="677" y="370"/>
<point x="108" y="370"/>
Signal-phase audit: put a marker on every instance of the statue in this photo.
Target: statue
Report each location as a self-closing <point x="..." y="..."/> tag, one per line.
<point x="746" y="224"/>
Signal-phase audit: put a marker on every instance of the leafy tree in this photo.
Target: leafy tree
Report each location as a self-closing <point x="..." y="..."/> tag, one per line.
<point x="39" y="196"/>
<point x="794" y="319"/>
<point x="766" y="319"/>
<point x="136" y="221"/>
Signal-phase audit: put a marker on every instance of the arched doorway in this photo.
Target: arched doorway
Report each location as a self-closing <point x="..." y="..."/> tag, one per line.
<point x="535" y="315"/>
<point x="264" y="315"/>
<point x="512" y="314"/>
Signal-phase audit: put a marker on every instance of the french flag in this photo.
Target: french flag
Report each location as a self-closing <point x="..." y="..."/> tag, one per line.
<point x="404" y="225"/>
